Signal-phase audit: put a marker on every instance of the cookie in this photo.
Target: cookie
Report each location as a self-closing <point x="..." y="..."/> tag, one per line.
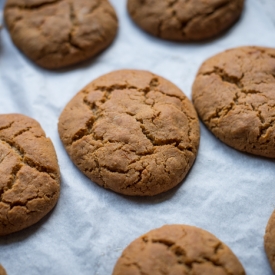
<point x="183" y="20"/>
<point x="234" y="94"/>
<point x="59" y="33"/>
<point x="269" y="241"/>
<point x="30" y="178"/>
<point x="178" y="250"/>
<point x="132" y="132"/>
<point x="2" y="270"/>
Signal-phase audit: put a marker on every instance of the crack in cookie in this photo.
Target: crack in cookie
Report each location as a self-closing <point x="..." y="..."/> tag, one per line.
<point x="59" y="33"/>
<point x="30" y="178"/>
<point x="132" y="132"/>
<point x="182" y="20"/>
<point x="178" y="249"/>
<point x="234" y="96"/>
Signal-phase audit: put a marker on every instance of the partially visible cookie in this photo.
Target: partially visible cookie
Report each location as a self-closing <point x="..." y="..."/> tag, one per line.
<point x="59" y="33"/>
<point x="178" y="250"/>
<point x="269" y="241"/>
<point x="183" y="20"/>
<point x="2" y="270"/>
<point x="30" y="178"/>
<point x="234" y="94"/>
<point x="132" y="132"/>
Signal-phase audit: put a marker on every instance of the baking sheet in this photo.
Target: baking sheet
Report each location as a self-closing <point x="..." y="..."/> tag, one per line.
<point x="229" y="193"/>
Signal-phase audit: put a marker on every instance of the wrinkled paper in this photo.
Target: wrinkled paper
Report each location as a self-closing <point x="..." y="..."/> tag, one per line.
<point x="229" y="193"/>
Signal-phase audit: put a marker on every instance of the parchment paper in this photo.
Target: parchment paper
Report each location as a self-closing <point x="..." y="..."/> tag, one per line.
<point x="229" y="193"/>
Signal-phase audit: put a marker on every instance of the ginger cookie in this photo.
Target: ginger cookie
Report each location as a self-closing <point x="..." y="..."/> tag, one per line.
<point x="132" y="132"/>
<point x="269" y="241"/>
<point x="30" y="178"/>
<point x="183" y="20"/>
<point x="59" y="33"/>
<point x="234" y="94"/>
<point x="178" y="249"/>
<point x="2" y="270"/>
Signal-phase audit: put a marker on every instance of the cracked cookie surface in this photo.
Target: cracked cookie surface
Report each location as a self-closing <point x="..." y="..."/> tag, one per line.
<point x="185" y="20"/>
<point x="2" y="270"/>
<point x="269" y="241"/>
<point x="132" y="132"/>
<point x="234" y="94"/>
<point x="178" y="250"/>
<point x="30" y="178"/>
<point x="59" y="33"/>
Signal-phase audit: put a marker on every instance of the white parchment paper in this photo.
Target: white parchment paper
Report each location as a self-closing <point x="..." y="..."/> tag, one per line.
<point x="229" y="193"/>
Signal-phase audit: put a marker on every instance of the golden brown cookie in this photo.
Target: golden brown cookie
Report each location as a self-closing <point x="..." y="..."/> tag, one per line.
<point x="132" y="132"/>
<point x="58" y="33"/>
<point x="2" y="270"/>
<point x="178" y="250"/>
<point x="185" y="20"/>
<point x="234" y="94"/>
<point x="30" y="178"/>
<point x="269" y="241"/>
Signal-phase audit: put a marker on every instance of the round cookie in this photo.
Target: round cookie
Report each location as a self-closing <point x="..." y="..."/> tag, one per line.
<point x="178" y="250"/>
<point x="2" y="270"/>
<point x="59" y="33"/>
<point x="269" y="241"/>
<point x="30" y="178"/>
<point x="234" y="94"/>
<point x="182" y="20"/>
<point x="132" y="132"/>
